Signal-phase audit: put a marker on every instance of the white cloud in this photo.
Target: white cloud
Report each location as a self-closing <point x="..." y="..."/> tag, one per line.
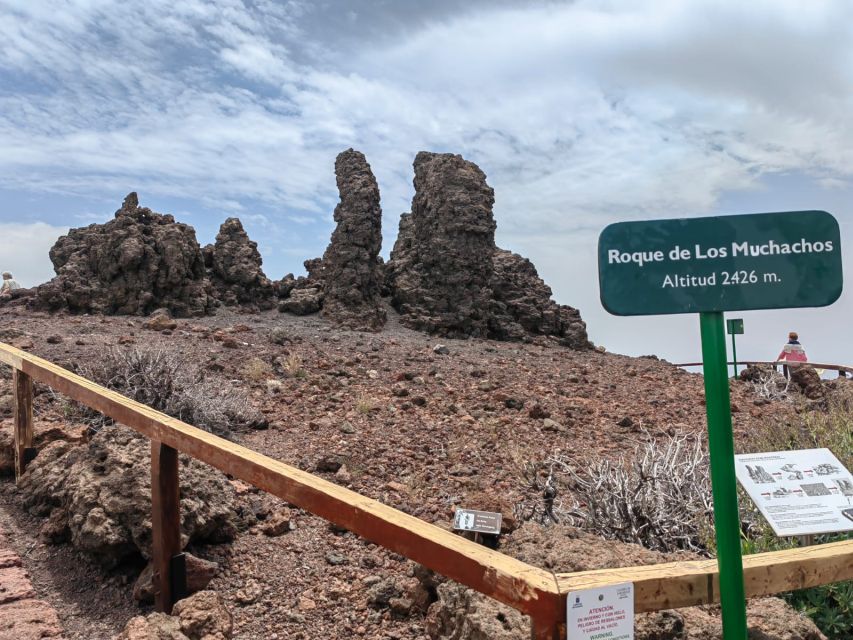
<point x="24" y="246"/>
<point x="579" y="112"/>
<point x="585" y="108"/>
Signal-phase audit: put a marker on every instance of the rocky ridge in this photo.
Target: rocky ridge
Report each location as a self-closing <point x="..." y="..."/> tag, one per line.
<point x="446" y="276"/>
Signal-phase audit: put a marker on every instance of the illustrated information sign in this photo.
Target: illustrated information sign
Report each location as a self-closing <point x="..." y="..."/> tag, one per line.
<point x="723" y="263"/>
<point x="477" y="521"/>
<point x="799" y="492"/>
<point x="605" y="613"/>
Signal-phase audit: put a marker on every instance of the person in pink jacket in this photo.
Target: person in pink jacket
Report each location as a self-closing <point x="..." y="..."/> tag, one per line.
<point x="792" y="352"/>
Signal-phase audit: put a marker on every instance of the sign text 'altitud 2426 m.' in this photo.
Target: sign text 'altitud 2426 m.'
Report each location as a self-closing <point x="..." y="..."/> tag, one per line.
<point x="723" y="263"/>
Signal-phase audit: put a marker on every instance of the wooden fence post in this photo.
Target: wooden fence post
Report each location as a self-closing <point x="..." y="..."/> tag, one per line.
<point x="23" y="436"/>
<point x="544" y="629"/>
<point x="169" y="579"/>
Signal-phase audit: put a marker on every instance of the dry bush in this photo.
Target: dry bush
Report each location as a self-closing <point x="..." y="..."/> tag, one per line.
<point x="167" y="381"/>
<point x="364" y="404"/>
<point x="293" y="366"/>
<point x="771" y="385"/>
<point x="256" y="370"/>
<point x="659" y="498"/>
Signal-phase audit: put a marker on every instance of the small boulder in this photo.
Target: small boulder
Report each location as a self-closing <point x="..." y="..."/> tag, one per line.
<point x="102" y="491"/>
<point x="204" y="616"/>
<point x="199" y="574"/>
<point x="278" y="523"/>
<point x="160" y="322"/>
<point x="155" y="626"/>
<point x="302" y="302"/>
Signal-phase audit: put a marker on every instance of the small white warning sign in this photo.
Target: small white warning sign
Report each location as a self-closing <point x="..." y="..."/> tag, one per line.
<point x="605" y="613"/>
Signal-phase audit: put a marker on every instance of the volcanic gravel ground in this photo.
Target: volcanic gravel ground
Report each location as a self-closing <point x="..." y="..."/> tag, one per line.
<point x="382" y="414"/>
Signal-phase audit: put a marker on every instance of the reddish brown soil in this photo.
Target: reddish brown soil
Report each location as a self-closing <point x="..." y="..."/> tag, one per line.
<point x="420" y="431"/>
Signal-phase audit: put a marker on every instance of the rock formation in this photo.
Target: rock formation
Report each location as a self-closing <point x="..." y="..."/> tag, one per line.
<point x="463" y="614"/>
<point x="522" y="306"/>
<point x="138" y="262"/>
<point x="351" y="268"/>
<point x="444" y="285"/>
<point x="806" y="379"/>
<point x="402" y="254"/>
<point x="447" y="277"/>
<point x="234" y="268"/>
<point x="303" y="295"/>
<point x="98" y="495"/>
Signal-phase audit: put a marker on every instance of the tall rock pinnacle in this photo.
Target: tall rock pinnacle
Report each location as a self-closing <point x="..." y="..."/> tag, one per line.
<point x="351" y="266"/>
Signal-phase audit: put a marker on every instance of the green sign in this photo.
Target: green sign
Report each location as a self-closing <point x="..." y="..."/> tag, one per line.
<point x="723" y="263"/>
<point x="734" y="326"/>
<point x="707" y="266"/>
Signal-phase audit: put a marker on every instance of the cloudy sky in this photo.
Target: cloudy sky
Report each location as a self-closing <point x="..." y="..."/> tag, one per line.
<point x="580" y="113"/>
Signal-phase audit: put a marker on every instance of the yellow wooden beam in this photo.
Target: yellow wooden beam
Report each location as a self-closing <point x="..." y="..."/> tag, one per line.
<point x="686" y="584"/>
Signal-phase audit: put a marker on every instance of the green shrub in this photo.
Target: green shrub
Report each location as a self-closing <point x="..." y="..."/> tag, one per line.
<point x="829" y="605"/>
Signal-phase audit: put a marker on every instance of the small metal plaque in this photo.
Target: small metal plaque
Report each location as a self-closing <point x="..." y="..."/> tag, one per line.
<point x="477" y="521"/>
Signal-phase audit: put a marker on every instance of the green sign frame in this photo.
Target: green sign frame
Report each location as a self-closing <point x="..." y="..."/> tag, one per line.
<point x="721" y="263"/>
<point x="708" y="266"/>
<point x="734" y="326"/>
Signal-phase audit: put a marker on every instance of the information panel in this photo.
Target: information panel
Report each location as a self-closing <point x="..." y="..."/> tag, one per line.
<point x="605" y="613"/>
<point x="477" y="521"/>
<point x="723" y="263"/>
<point x="799" y="492"/>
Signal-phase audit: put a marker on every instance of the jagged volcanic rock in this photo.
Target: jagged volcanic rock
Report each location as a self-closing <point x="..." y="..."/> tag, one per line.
<point x="401" y="255"/>
<point x="446" y="275"/>
<point x="234" y="268"/>
<point x="138" y="262"/>
<point x="522" y="306"/>
<point x="351" y="268"/>
<point x="98" y="495"/>
<point x="303" y="295"/>
<point x="444" y="286"/>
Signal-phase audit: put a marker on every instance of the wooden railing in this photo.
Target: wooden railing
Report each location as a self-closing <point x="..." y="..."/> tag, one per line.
<point x="776" y="363"/>
<point x="539" y="593"/>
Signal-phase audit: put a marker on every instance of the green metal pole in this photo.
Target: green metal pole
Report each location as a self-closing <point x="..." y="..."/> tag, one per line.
<point x="723" y="482"/>
<point x="734" y="355"/>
